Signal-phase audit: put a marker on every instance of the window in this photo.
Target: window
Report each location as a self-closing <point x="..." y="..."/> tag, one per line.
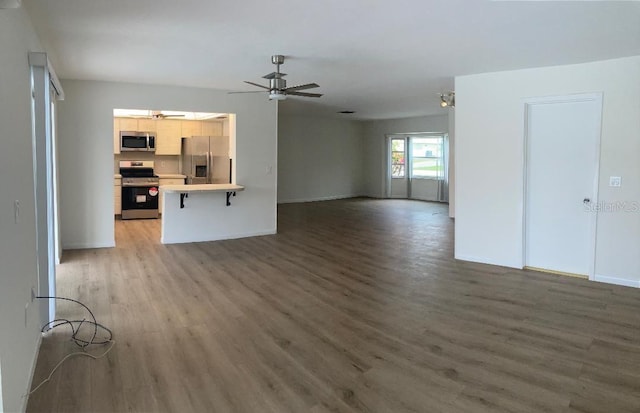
<point x="397" y="158"/>
<point x="427" y="155"/>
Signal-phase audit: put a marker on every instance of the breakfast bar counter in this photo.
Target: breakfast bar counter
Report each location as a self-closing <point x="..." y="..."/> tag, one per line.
<point x="196" y="213"/>
<point x="185" y="190"/>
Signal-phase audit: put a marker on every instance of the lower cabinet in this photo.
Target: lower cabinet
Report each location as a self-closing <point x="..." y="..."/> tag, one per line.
<point x="117" y="196"/>
<point x="168" y="181"/>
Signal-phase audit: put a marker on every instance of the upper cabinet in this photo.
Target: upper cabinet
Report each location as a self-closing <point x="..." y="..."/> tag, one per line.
<point x="211" y="128"/>
<point x="168" y="132"/>
<point x="116" y="136"/>
<point x="191" y="128"/>
<point x="147" y="125"/>
<point x="128" y="124"/>
<point x="168" y="137"/>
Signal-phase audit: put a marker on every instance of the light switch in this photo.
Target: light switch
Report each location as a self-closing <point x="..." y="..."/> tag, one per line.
<point x="615" y="181"/>
<point x="16" y="211"/>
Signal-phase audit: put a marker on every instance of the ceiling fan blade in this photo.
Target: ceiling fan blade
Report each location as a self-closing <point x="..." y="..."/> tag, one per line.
<point x="251" y="91"/>
<point x="256" y="84"/>
<point x="305" y="94"/>
<point x="302" y="87"/>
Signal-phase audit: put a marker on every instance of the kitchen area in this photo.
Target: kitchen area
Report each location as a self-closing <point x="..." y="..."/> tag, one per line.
<point x="156" y="150"/>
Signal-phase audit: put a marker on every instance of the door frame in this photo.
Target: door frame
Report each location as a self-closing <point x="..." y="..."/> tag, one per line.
<point x="546" y="100"/>
<point x="45" y="87"/>
<point x="389" y="137"/>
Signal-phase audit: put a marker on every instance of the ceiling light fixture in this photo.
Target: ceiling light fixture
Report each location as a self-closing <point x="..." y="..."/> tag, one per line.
<point x="277" y="95"/>
<point x="448" y="99"/>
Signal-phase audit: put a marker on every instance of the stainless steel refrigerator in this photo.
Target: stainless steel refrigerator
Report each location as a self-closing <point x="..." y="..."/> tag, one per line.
<point x="205" y="160"/>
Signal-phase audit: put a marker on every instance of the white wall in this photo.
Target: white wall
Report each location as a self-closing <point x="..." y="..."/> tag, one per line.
<point x="424" y="189"/>
<point x="375" y="145"/>
<point x="489" y="161"/>
<point x="18" y="269"/>
<point x="452" y="162"/>
<point x="86" y="152"/>
<point x="319" y="158"/>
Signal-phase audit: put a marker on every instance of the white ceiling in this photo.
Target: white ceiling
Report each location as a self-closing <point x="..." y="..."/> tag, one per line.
<point x="383" y="59"/>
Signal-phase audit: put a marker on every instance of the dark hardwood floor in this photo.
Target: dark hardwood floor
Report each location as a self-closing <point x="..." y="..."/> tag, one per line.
<point x="355" y="306"/>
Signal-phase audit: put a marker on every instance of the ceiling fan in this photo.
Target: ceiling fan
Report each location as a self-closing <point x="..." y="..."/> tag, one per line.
<point x="158" y="114"/>
<point x="153" y="114"/>
<point x="277" y="88"/>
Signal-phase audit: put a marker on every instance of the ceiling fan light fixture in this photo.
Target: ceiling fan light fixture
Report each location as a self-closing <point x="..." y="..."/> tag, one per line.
<point x="277" y="95"/>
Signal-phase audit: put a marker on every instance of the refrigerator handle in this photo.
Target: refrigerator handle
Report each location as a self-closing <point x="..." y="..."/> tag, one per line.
<point x="210" y="178"/>
<point x="208" y="167"/>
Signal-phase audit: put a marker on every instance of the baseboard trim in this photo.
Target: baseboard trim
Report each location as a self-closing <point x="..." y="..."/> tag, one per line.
<point x="34" y="362"/>
<point x="222" y="238"/>
<point x="484" y="261"/>
<point x="562" y="273"/>
<point x="617" y="281"/>
<point x="88" y="245"/>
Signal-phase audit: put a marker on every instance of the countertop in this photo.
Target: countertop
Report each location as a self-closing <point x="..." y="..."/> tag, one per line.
<point x="161" y="176"/>
<point x="183" y="189"/>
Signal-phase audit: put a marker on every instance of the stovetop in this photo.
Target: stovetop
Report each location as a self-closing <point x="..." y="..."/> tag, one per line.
<point x="138" y="170"/>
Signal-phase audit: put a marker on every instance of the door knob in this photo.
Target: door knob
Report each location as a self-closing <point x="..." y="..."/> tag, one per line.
<point x="586" y="201"/>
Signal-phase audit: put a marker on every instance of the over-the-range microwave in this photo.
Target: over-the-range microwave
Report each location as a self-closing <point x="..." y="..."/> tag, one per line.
<point x="137" y="141"/>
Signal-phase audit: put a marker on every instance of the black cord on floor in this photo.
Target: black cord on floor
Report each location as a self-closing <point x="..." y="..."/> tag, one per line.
<point x="82" y="343"/>
<point x="75" y="330"/>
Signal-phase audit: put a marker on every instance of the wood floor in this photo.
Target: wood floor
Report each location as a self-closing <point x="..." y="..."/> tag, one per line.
<point x="355" y="306"/>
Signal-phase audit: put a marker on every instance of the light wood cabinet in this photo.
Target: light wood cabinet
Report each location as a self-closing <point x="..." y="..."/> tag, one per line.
<point x="168" y="181"/>
<point x="117" y="196"/>
<point x="168" y="132"/>
<point x="146" y="125"/>
<point x="191" y="128"/>
<point x="116" y="136"/>
<point x="128" y="124"/>
<point x="211" y="128"/>
<point x="168" y="137"/>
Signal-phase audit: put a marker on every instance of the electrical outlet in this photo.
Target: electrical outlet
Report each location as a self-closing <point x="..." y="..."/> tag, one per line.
<point x="33" y="294"/>
<point x="615" y="181"/>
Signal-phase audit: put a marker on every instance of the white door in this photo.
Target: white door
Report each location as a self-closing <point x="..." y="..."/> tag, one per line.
<point x="398" y="177"/>
<point x="563" y="137"/>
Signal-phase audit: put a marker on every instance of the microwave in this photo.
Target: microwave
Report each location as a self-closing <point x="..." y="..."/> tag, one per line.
<point x="137" y="141"/>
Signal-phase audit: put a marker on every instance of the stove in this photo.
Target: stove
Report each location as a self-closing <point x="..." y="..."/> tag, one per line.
<point x="140" y="190"/>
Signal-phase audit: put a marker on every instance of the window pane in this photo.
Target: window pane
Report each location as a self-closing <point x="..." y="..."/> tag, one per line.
<point x="427" y="157"/>
<point x="397" y="158"/>
<point x="427" y="167"/>
<point x="397" y="145"/>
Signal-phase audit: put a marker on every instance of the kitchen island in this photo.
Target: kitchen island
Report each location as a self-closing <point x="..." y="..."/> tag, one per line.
<point x="193" y="213"/>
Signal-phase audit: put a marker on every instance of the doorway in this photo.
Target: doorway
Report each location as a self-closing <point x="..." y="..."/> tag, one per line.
<point x="46" y="89"/>
<point x="562" y="147"/>
<point x="417" y="166"/>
